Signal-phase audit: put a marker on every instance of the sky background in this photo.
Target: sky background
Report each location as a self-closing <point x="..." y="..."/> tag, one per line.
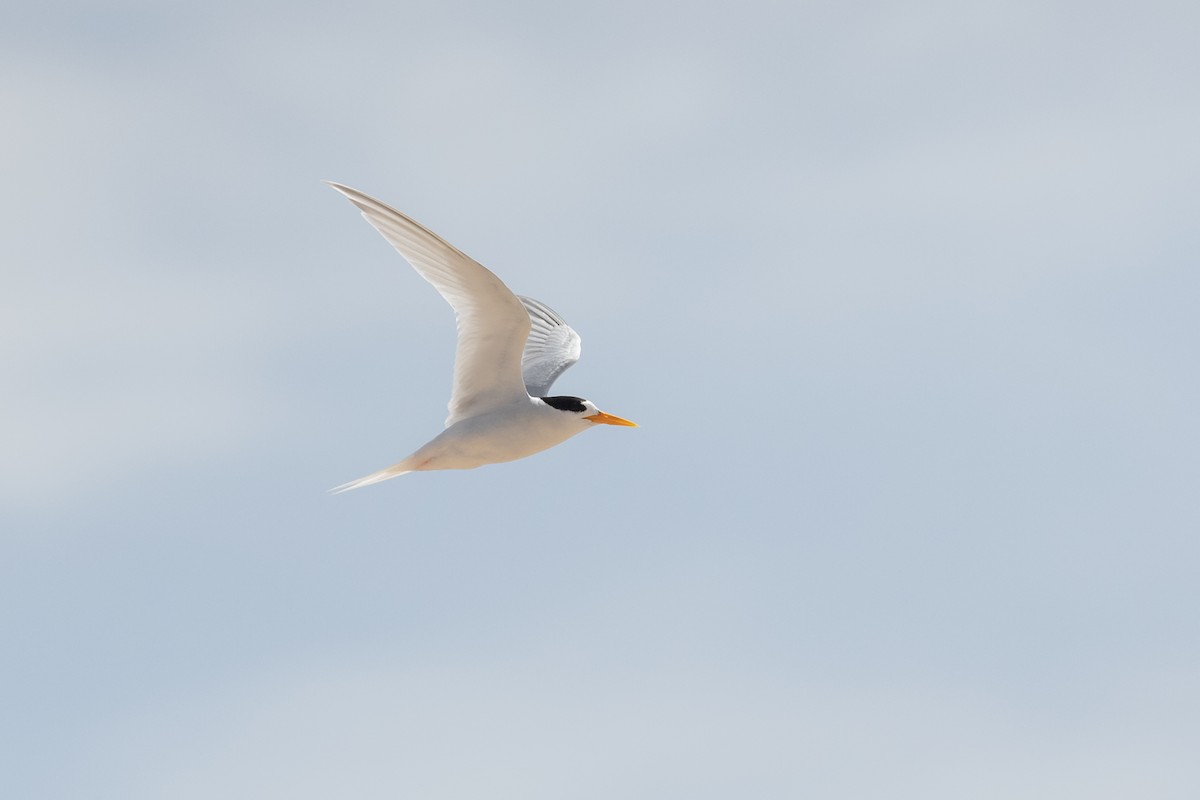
<point x="903" y="295"/>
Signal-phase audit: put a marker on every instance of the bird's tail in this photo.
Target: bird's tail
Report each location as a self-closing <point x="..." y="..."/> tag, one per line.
<point x="395" y="470"/>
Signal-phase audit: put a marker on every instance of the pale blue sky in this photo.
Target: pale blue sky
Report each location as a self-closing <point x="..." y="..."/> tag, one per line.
<point x="903" y="296"/>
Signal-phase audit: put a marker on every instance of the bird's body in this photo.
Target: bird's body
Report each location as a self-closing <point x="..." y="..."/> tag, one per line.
<point x="510" y="350"/>
<point x="503" y="434"/>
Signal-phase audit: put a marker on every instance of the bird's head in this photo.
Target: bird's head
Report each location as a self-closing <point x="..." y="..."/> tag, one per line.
<point x="585" y="410"/>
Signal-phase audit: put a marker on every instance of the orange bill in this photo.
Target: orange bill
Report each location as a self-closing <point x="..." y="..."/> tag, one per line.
<point x="608" y="419"/>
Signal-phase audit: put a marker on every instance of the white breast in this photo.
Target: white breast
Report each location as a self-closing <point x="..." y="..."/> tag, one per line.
<point x="504" y="434"/>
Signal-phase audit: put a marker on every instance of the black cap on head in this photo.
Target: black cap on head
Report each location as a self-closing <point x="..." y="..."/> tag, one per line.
<point x="566" y="403"/>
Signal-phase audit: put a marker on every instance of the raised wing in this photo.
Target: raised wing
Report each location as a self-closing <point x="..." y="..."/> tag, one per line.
<point x="492" y="323"/>
<point x="552" y="347"/>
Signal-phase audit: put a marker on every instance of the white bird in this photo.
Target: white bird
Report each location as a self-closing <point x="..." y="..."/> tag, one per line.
<point x="510" y="350"/>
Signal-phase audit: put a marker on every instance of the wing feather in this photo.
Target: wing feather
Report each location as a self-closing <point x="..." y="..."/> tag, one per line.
<point x="551" y="349"/>
<point x="493" y="325"/>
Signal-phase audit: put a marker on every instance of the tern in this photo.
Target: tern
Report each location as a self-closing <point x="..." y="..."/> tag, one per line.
<point x="510" y="351"/>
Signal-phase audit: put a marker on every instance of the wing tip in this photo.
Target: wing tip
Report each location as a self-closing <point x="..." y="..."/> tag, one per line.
<point x="544" y="311"/>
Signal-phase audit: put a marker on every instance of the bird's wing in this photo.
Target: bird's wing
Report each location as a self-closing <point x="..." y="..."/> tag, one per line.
<point x="492" y="323"/>
<point x="552" y="347"/>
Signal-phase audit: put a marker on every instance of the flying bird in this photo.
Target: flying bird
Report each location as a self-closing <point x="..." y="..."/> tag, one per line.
<point x="510" y="351"/>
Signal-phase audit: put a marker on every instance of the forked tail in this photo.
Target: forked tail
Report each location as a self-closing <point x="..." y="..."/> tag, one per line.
<point x="394" y="471"/>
